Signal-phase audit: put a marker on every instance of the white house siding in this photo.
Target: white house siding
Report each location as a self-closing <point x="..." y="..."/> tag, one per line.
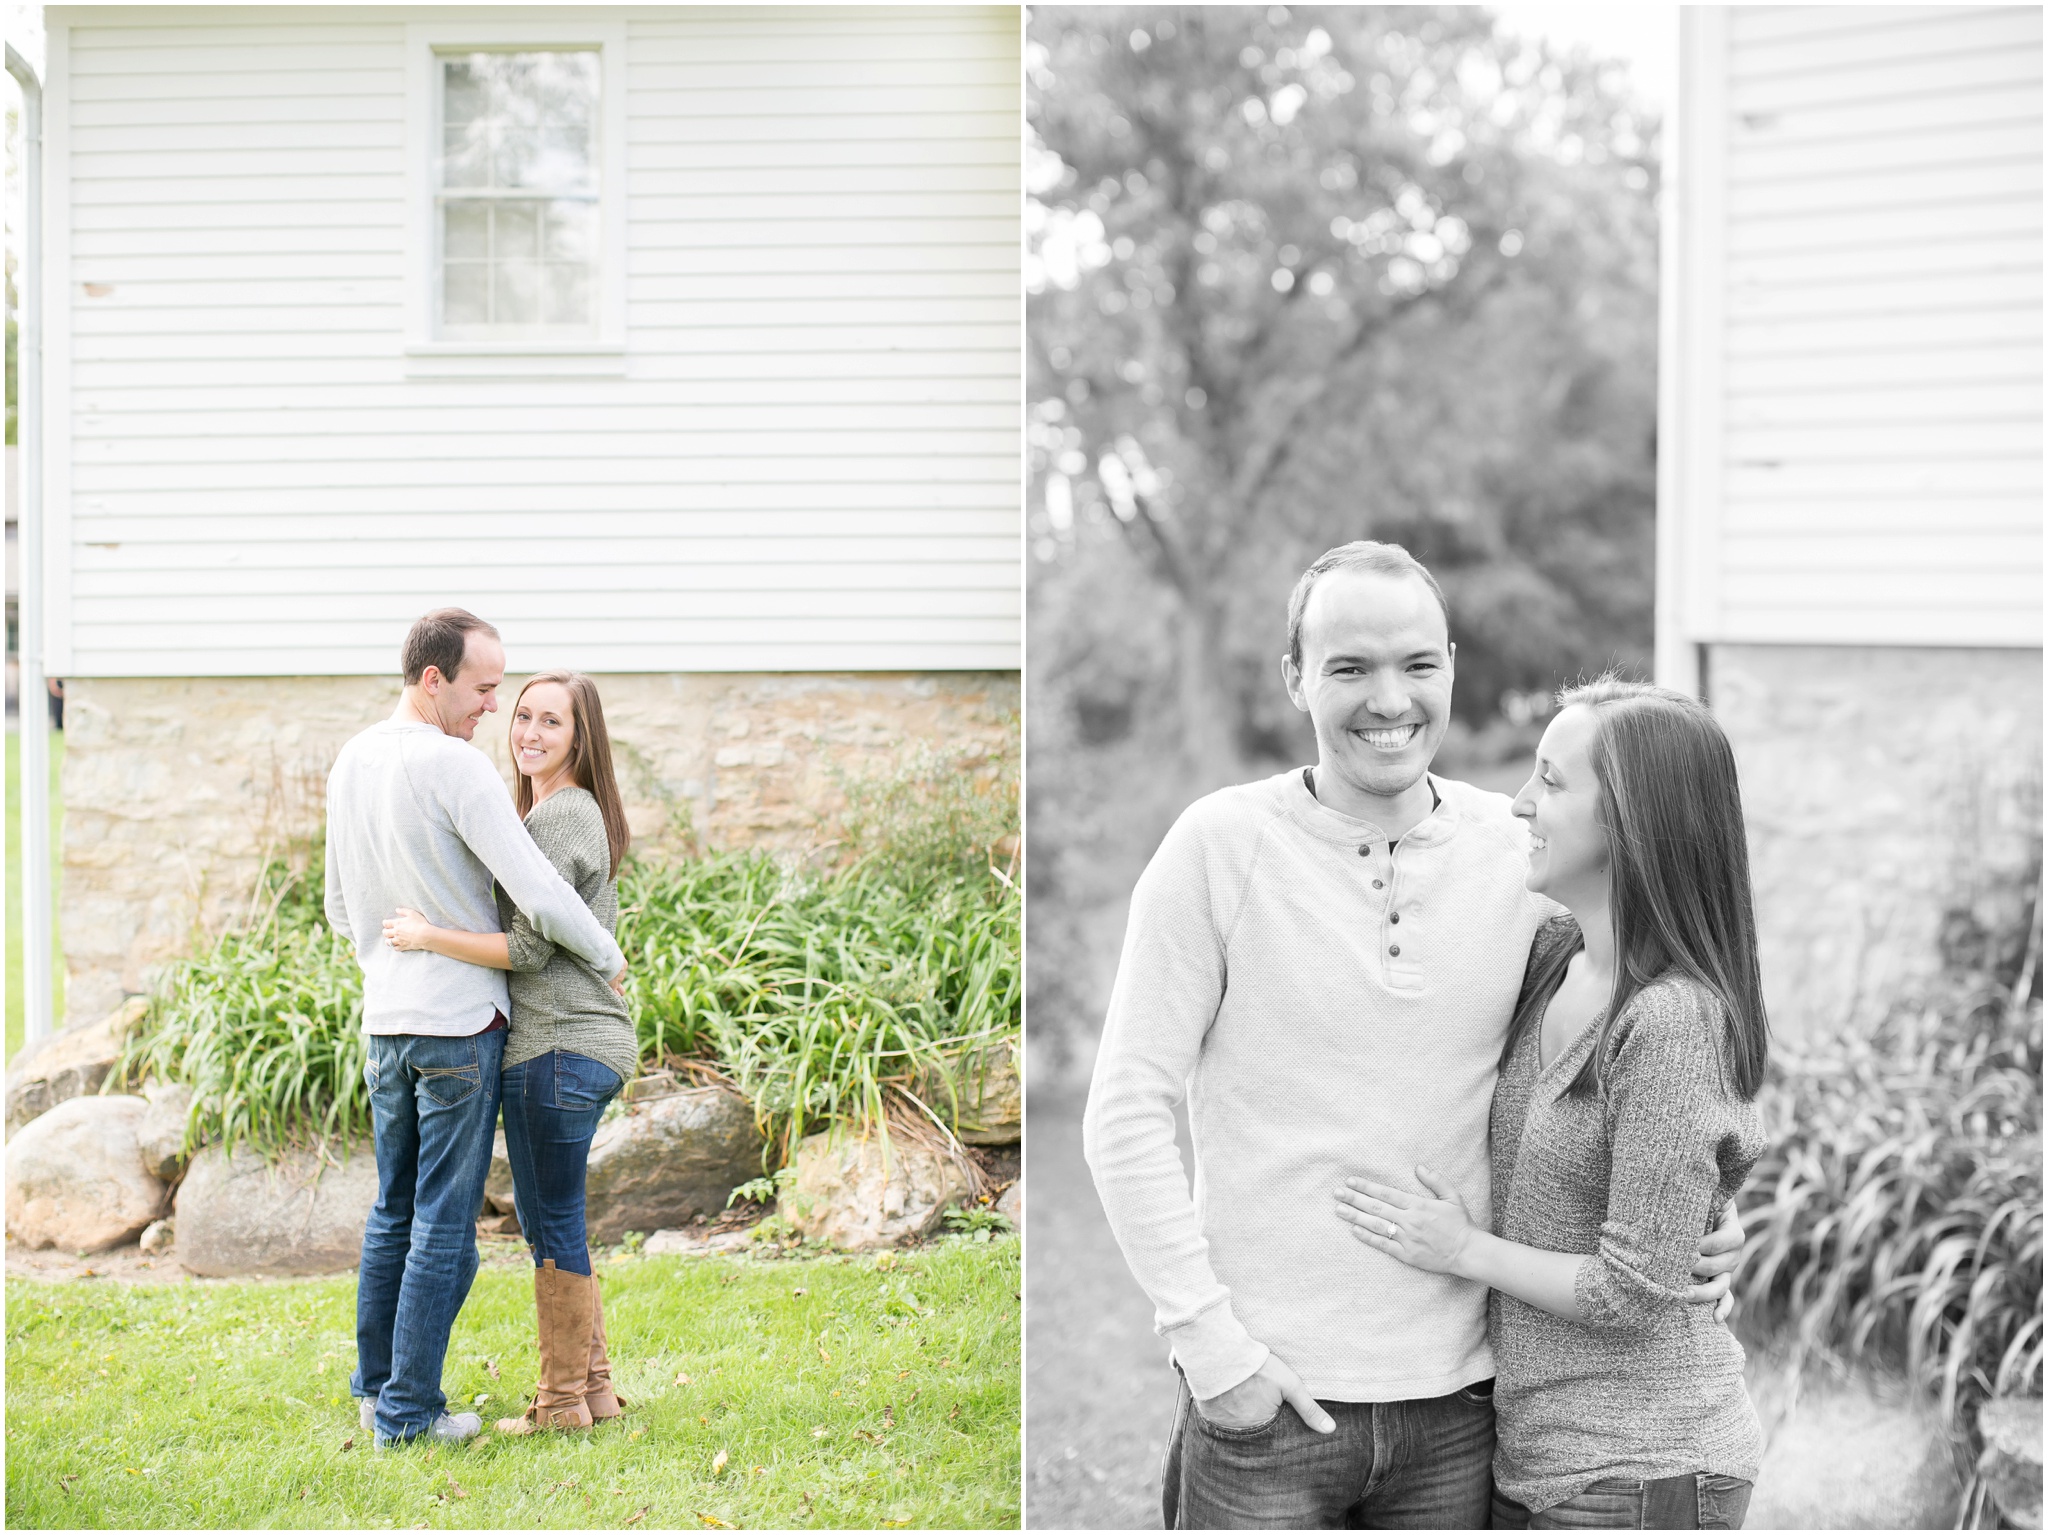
<point x="808" y="460"/>
<point x="1850" y="498"/>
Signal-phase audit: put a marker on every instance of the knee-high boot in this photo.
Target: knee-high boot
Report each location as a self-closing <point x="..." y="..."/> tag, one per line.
<point x="564" y="1304"/>
<point x="598" y="1394"/>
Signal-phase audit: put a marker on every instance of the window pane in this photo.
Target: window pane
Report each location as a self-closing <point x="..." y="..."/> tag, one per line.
<point x="466" y="94"/>
<point x="466" y="230"/>
<point x="571" y="232"/>
<point x="466" y="293"/>
<point x="516" y="293"/>
<point x="465" y="156"/>
<point x="567" y="294"/>
<point x="518" y="231"/>
<point x="517" y="153"/>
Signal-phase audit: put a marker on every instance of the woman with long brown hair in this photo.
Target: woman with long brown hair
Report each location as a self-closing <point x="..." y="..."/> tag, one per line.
<point x="571" y="1044"/>
<point x="1623" y="1125"/>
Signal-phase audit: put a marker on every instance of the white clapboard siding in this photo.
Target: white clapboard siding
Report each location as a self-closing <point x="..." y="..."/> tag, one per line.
<point x="807" y="461"/>
<point x="1855" y="431"/>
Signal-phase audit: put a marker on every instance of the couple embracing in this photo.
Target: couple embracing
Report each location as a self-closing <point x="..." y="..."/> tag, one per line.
<point x="490" y="975"/>
<point x="1471" y="1085"/>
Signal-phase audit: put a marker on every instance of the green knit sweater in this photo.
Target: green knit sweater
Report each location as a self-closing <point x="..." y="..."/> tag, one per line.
<point x="558" y="1001"/>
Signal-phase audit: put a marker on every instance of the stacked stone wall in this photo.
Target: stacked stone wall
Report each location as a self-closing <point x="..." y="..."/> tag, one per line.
<point x="176" y="790"/>
<point x="1894" y="803"/>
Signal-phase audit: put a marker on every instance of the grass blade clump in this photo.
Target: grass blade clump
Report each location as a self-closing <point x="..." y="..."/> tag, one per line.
<point x="1900" y="1216"/>
<point x="265" y="1023"/>
<point x="822" y="994"/>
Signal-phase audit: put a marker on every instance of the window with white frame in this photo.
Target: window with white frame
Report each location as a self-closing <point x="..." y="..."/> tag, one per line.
<point x="518" y="188"/>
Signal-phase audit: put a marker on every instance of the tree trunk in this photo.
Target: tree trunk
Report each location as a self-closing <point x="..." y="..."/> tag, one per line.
<point x="1208" y="708"/>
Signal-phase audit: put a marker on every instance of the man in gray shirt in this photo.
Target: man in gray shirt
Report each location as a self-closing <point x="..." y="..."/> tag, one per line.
<point x="417" y="818"/>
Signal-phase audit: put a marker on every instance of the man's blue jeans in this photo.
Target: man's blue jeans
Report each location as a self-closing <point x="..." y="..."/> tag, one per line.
<point x="552" y="1105"/>
<point x="434" y="1102"/>
<point x="1417" y="1465"/>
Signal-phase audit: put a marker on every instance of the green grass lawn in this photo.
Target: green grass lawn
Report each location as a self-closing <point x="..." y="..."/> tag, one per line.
<point x="871" y="1392"/>
<point x="15" y="1008"/>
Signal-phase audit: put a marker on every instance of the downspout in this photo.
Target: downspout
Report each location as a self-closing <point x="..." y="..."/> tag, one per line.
<point x="36" y="925"/>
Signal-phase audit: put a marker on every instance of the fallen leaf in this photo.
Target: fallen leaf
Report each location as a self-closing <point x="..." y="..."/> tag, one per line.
<point x="954" y="1413"/>
<point x="703" y="1420"/>
<point x="818" y="1432"/>
<point x="572" y="1482"/>
<point x="642" y="1514"/>
<point x="491" y="1368"/>
<point x="455" y="1489"/>
<point x="823" y="1355"/>
<point x="481" y="1396"/>
<point x="863" y="1434"/>
<point x="718" y="1464"/>
<point x="913" y="1399"/>
<point x="901" y="1373"/>
<point x="799" y="1290"/>
<point x="716" y="1523"/>
<point x="682" y="1379"/>
<point x="888" y="1416"/>
<point x="349" y="1443"/>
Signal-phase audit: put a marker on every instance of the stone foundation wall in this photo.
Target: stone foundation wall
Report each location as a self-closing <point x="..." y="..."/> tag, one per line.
<point x="175" y="790"/>
<point x="1893" y="798"/>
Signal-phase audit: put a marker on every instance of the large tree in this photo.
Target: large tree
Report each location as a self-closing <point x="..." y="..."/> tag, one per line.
<point x="1314" y="274"/>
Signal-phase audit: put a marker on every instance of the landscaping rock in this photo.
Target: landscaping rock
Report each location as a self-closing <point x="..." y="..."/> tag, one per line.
<point x="158" y="1236"/>
<point x="696" y="1243"/>
<point x="69" y="1064"/>
<point x="985" y="1091"/>
<point x="75" y="1177"/>
<point x="498" y="1183"/>
<point x="162" y="1136"/>
<point x="1011" y="1205"/>
<point x="2011" y="1463"/>
<point x="247" y="1215"/>
<point x="667" y="1159"/>
<point x="854" y="1192"/>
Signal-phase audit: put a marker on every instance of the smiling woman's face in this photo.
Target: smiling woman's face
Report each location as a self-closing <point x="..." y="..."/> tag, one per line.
<point x="543" y="730"/>
<point x="1561" y="803"/>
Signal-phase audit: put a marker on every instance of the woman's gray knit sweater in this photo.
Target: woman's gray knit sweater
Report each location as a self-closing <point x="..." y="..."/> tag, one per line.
<point x="558" y="1001"/>
<point x="1647" y="1385"/>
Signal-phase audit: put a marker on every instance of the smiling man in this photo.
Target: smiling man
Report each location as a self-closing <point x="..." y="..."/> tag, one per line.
<point x="1324" y="964"/>
<point x="417" y="818"/>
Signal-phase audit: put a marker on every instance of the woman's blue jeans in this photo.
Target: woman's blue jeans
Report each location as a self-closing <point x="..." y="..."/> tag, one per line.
<point x="552" y="1105"/>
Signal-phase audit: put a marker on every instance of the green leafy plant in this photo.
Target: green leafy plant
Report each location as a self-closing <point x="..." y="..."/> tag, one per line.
<point x="978" y="1222"/>
<point x="825" y="996"/>
<point x="764" y="1190"/>
<point x="265" y="1023"/>
<point x="1902" y="1218"/>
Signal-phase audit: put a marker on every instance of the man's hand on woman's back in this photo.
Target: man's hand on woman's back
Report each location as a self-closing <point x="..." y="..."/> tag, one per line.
<point x="1720" y="1256"/>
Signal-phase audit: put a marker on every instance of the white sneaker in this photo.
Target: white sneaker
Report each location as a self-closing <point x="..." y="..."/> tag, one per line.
<point x="367" y="1413"/>
<point x="449" y="1428"/>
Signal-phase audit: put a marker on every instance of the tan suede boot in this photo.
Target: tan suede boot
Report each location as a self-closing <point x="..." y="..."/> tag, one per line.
<point x="598" y="1394"/>
<point x="563" y="1304"/>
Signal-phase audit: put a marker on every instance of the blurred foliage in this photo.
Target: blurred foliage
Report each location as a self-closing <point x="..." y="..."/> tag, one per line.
<point x="1902" y="1214"/>
<point x="1300" y="276"/>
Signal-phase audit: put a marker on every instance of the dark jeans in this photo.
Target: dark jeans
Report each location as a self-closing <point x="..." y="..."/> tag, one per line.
<point x="1695" y="1501"/>
<point x="1419" y="1465"/>
<point x="552" y="1105"/>
<point x="434" y="1101"/>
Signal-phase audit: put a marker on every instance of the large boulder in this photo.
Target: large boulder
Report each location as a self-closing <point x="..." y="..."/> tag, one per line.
<point x="981" y="1094"/>
<point x="303" y="1214"/>
<point x="1011" y="1205"/>
<point x="69" y="1064"/>
<point x="859" y="1191"/>
<point x="162" y="1135"/>
<point x="665" y="1160"/>
<point x="75" y="1177"/>
<point x="2010" y="1427"/>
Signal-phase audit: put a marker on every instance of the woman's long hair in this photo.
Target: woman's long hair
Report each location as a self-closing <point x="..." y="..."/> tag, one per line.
<point x="590" y="759"/>
<point x="1678" y="857"/>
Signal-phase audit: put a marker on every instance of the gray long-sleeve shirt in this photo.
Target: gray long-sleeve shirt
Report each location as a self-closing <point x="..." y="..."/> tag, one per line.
<point x="418" y="818"/>
<point x="1648" y="1384"/>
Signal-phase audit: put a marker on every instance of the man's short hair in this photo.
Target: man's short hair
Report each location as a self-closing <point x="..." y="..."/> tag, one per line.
<point x="1361" y="554"/>
<point x="440" y="640"/>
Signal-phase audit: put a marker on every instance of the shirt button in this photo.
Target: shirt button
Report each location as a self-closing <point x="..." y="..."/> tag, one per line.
<point x="1365" y="850"/>
<point x="1396" y="917"/>
<point x="1395" y="949"/>
<point x="1379" y="884"/>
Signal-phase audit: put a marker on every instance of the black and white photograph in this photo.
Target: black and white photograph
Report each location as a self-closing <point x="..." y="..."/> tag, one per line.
<point x="1534" y="767"/>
